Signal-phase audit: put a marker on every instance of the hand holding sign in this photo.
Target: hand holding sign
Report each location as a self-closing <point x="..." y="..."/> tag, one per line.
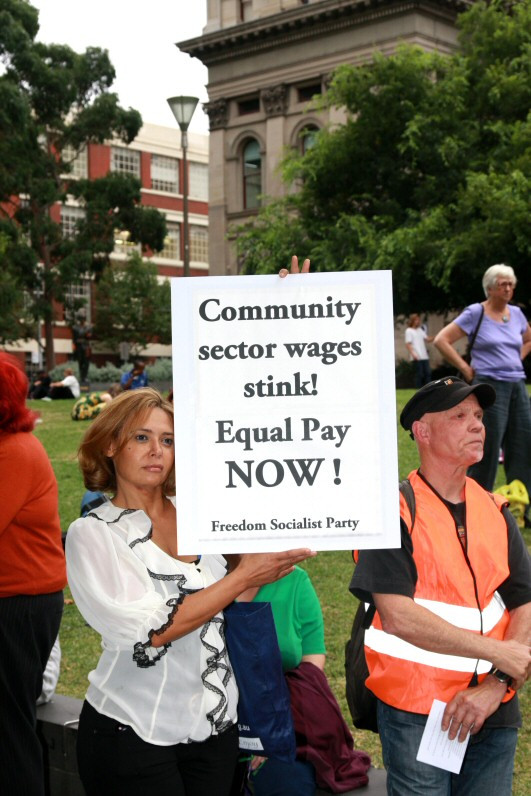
<point x="295" y="267"/>
<point x="257" y="569"/>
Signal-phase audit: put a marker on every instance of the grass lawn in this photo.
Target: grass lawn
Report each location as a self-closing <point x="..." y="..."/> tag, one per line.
<point x="330" y="574"/>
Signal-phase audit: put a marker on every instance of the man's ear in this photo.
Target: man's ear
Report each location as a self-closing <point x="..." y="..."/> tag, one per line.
<point x="421" y="431"/>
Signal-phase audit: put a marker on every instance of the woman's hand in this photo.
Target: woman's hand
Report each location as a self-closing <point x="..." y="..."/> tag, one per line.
<point x="261" y="568"/>
<point x="295" y="267"/>
<point x="468" y="372"/>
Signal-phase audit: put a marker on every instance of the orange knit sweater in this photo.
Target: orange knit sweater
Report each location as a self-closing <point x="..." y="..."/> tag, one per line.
<point x="31" y="552"/>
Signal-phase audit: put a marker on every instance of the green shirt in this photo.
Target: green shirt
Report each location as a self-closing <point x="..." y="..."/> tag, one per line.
<point x="298" y="617"/>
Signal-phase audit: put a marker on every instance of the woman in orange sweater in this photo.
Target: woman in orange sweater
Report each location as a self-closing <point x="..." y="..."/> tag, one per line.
<point x="32" y="576"/>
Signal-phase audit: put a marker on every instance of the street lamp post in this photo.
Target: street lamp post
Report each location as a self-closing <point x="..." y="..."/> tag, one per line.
<point x="183" y="109"/>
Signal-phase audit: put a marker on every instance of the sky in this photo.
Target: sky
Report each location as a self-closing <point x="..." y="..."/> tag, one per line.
<point x="140" y="36"/>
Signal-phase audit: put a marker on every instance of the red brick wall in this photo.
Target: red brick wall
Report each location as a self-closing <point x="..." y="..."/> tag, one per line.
<point x="99" y="160"/>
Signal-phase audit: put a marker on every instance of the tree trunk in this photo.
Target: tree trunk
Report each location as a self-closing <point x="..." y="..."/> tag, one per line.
<point x="49" y="344"/>
<point x="48" y="295"/>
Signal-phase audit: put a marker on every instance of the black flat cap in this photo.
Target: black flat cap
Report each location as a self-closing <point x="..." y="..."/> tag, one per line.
<point x="444" y="394"/>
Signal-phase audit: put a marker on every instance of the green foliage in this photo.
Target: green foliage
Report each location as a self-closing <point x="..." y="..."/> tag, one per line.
<point x="106" y="374"/>
<point x="161" y="370"/>
<point x="428" y="176"/>
<point x="132" y="306"/>
<point x="53" y="101"/>
<point x="16" y="322"/>
<point x="405" y="373"/>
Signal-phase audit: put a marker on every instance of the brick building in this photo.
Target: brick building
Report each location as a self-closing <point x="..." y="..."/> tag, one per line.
<point x="155" y="157"/>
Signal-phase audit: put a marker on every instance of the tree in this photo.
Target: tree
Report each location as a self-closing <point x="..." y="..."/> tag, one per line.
<point x="429" y="175"/>
<point x="132" y="305"/>
<point x="53" y="102"/>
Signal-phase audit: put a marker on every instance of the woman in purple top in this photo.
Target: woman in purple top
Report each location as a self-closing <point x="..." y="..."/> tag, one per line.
<point x="502" y="341"/>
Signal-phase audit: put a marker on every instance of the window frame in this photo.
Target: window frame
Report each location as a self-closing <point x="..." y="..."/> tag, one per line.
<point x="247" y="176"/>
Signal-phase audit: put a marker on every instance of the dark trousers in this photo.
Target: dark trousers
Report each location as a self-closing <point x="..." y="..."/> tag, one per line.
<point x="61" y="392"/>
<point x="508" y="425"/>
<point x="114" y="761"/>
<point x="83" y="364"/>
<point x="487" y="769"/>
<point x="422" y="372"/>
<point x="39" y="392"/>
<point x="28" y="628"/>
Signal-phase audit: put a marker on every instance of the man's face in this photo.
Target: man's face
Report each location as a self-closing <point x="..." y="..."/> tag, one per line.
<point x="457" y="435"/>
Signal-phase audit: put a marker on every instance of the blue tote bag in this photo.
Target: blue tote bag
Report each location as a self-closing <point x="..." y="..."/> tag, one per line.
<point x="265" y="722"/>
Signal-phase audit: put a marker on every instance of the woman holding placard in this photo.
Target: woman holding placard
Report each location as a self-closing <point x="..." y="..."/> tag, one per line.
<point x="160" y="711"/>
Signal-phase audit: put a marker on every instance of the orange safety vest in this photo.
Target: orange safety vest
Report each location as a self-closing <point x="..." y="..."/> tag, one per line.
<point x="408" y="677"/>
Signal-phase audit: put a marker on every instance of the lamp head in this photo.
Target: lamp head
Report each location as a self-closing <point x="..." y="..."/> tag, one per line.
<point x="183" y="109"/>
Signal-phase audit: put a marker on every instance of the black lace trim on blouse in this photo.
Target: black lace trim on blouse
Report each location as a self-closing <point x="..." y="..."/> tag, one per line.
<point x="145" y="538"/>
<point x="217" y="662"/>
<point x="140" y="656"/>
<point x="111" y="522"/>
<point x="179" y="579"/>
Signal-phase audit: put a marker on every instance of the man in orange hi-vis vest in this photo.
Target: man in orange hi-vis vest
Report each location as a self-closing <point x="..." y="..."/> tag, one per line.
<point x="453" y="607"/>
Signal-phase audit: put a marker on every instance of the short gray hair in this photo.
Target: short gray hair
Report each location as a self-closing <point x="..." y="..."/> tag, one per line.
<point x="491" y="275"/>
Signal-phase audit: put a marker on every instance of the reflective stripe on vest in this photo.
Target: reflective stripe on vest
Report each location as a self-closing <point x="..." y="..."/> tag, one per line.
<point x="466" y="618"/>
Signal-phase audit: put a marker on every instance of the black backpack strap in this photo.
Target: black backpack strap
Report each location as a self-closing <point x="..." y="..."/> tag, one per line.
<point x="409" y="496"/>
<point x="369" y="616"/>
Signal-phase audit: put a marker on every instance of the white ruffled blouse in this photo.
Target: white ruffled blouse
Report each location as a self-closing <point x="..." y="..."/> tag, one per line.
<point x="126" y="587"/>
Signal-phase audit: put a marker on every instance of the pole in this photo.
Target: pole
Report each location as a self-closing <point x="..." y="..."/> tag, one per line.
<point x="186" y="231"/>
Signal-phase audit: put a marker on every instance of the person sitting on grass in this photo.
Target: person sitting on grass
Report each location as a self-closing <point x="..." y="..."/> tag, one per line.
<point x="68" y="387"/>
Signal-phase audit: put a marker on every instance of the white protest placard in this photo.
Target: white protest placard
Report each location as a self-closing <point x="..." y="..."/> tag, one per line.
<point x="285" y="413"/>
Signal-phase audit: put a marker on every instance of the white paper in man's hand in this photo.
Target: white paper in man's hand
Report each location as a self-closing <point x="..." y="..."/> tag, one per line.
<point x="435" y="747"/>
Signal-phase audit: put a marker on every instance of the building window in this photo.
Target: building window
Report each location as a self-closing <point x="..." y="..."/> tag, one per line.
<point x="246" y="10"/>
<point x="249" y="105"/>
<point x="307" y="137"/>
<point x="77" y="160"/>
<point x="199" y="244"/>
<point x="198" y="175"/>
<point x="69" y="220"/>
<point x="164" y="174"/>
<point x="307" y="93"/>
<point x="172" y="242"/>
<point x="77" y="296"/>
<point x="125" y="161"/>
<point x="252" y="175"/>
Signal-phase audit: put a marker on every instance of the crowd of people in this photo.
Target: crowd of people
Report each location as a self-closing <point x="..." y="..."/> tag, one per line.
<point x="452" y="618"/>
